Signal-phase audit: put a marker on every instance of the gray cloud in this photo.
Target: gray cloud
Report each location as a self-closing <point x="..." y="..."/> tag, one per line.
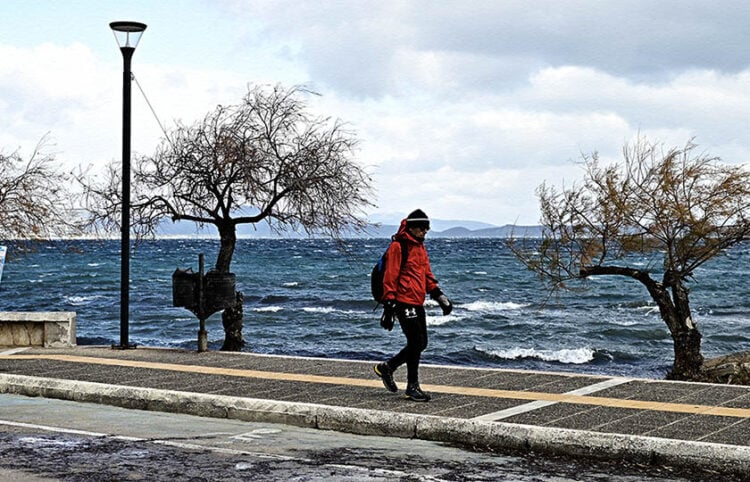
<point x="629" y="38"/>
<point x="479" y="101"/>
<point x="354" y="46"/>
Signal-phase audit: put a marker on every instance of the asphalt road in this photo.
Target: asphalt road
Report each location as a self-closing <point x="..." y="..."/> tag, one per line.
<point x="46" y="439"/>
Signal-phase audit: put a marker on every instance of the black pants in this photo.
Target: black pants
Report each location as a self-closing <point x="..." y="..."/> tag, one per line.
<point x="413" y="323"/>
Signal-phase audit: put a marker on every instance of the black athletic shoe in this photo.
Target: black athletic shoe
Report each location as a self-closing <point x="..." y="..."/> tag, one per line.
<point x="415" y="393"/>
<point x="384" y="372"/>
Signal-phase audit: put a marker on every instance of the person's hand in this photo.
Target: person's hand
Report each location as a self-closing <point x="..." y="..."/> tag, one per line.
<point x="388" y="317"/>
<point x="445" y="304"/>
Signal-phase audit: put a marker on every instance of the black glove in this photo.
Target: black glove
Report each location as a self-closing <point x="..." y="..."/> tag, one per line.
<point x="388" y="317"/>
<point x="445" y="304"/>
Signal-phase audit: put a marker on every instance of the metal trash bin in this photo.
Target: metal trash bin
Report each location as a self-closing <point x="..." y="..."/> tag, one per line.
<point x="220" y="290"/>
<point x="204" y="294"/>
<point x="185" y="288"/>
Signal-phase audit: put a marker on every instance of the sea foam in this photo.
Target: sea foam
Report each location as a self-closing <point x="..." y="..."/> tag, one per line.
<point x="492" y="306"/>
<point x="575" y="356"/>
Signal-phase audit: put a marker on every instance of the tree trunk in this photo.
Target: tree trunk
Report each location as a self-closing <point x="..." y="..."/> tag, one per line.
<point x="228" y="237"/>
<point x="232" y="317"/>
<point x="688" y="359"/>
<point x="674" y="310"/>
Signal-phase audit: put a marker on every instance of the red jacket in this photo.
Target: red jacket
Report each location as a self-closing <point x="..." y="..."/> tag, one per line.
<point x="411" y="284"/>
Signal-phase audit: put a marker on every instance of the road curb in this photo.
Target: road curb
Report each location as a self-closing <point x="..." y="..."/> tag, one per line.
<point x="474" y="433"/>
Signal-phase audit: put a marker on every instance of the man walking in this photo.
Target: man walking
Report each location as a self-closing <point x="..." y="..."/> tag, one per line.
<point x="406" y="282"/>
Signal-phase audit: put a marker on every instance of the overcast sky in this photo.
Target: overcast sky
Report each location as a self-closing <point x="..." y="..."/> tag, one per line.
<point x="462" y="108"/>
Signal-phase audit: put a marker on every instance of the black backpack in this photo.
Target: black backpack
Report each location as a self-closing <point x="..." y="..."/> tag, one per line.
<point x="376" y="277"/>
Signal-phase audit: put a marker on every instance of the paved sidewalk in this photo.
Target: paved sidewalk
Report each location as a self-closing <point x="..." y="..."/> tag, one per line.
<point x="644" y="421"/>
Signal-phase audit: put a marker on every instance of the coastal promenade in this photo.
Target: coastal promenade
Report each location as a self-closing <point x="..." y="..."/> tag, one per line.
<point x="643" y="421"/>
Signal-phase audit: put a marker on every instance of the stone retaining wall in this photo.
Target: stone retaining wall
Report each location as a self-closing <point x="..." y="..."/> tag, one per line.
<point x="50" y="329"/>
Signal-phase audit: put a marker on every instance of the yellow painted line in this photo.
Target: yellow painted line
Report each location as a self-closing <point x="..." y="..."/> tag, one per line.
<point x="359" y="382"/>
<point x="207" y="370"/>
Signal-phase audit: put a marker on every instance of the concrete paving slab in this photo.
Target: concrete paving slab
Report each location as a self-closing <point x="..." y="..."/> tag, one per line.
<point x="650" y="390"/>
<point x="729" y="434"/>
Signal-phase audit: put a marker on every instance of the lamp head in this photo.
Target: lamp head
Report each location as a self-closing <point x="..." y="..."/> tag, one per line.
<point x="127" y="34"/>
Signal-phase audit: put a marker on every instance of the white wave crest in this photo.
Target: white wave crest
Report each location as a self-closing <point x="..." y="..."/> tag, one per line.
<point x="81" y="300"/>
<point x="268" y="309"/>
<point x="441" y="320"/>
<point x="291" y="284"/>
<point x="648" y="309"/>
<point x="326" y="310"/>
<point x="574" y="356"/>
<point x="493" y="306"/>
<point x="625" y="322"/>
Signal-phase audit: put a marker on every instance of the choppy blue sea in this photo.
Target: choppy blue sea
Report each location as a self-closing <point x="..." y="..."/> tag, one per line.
<point x="308" y="297"/>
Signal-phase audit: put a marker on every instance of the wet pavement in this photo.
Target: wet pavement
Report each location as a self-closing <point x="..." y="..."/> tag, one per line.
<point x="84" y="442"/>
<point x="612" y="418"/>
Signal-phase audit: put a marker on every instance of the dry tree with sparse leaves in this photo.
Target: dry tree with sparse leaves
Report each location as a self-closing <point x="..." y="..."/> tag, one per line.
<point x="679" y="206"/>
<point x="266" y="159"/>
<point x="36" y="203"/>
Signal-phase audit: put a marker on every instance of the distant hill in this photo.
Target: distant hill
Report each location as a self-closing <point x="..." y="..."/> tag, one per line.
<point x="440" y="229"/>
<point x="493" y="232"/>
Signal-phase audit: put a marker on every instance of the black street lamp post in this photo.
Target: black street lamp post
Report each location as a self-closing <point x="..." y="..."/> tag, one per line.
<point x="127" y="35"/>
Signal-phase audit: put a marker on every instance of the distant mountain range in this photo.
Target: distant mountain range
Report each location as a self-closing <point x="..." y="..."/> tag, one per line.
<point x="455" y="229"/>
<point x="491" y="232"/>
<point x="440" y="229"/>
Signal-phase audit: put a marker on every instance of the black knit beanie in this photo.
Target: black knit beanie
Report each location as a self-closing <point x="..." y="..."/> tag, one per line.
<point x="417" y="219"/>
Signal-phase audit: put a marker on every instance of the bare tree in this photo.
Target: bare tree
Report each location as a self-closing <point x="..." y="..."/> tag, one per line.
<point x="678" y="205"/>
<point x="35" y="204"/>
<point x="266" y="159"/>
